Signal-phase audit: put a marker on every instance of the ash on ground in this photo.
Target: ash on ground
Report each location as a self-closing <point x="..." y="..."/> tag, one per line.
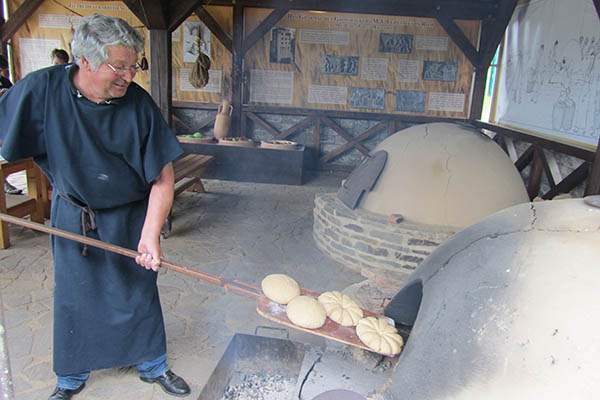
<point x="261" y="387"/>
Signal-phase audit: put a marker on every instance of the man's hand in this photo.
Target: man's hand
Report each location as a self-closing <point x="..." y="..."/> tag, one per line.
<point x="150" y="254"/>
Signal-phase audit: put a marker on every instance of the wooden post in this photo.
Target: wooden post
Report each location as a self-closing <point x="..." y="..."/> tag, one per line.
<point x="535" y="174"/>
<point x="478" y="95"/>
<point x="4" y="238"/>
<point x="593" y="183"/>
<point x="161" y="71"/>
<point x="237" y="71"/>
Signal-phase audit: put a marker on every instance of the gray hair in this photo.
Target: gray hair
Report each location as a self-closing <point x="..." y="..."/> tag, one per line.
<point x="97" y="33"/>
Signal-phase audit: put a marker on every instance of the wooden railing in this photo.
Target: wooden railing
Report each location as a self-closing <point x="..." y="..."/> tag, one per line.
<point x="537" y="155"/>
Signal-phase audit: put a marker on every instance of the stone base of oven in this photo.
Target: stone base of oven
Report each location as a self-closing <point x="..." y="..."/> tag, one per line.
<point x="369" y="243"/>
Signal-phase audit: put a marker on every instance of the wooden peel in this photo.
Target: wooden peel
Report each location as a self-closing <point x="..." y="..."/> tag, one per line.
<point x="268" y="309"/>
<point x="331" y="330"/>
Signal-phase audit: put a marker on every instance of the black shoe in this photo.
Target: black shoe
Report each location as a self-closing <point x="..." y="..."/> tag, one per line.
<point x="170" y="383"/>
<point x="65" y="394"/>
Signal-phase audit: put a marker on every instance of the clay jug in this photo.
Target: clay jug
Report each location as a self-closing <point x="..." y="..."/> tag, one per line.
<point x="223" y="120"/>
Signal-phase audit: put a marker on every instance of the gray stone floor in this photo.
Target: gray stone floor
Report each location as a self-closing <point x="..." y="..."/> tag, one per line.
<point x="236" y="230"/>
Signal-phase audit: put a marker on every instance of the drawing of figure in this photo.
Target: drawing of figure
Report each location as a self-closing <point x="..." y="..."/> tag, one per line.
<point x="563" y="112"/>
<point x="593" y="113"/>
<point x="594" y="116"/>
<point x="449" y="71"/>
<point x="557" y="68"/>
<point x="191" y="41"/>
<point x="535" y="75"/>
<point x="395" y="43"/>
<point x="582" y="83"/>
<point x="345" y="66"/>
<point x="516" y="86"/>
<point x="196" y="39"/>
<point x="367" y="98"/>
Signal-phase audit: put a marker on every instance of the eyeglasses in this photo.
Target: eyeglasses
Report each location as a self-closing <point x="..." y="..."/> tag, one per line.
<point x="122" y="70"/>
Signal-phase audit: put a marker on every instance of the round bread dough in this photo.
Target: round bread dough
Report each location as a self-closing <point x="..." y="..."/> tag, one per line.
<point x="341" y="308"/>
<point x="306" y="311"/>
<point x="379" y="336"/>
<point x="280" y="288"/>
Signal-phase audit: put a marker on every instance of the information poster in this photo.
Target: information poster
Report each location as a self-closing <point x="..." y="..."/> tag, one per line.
<point x="549" y="80"/>
<point x="357" y="62"/>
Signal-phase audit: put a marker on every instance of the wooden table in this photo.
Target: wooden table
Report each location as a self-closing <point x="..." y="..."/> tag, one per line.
<point x="34" y="204"/>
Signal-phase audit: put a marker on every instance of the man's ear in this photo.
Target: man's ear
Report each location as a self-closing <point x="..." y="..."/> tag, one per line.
<point x="85" y="64"/>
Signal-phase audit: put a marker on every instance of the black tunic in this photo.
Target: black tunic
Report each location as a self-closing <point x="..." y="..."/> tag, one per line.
<point x="105" y="156"/>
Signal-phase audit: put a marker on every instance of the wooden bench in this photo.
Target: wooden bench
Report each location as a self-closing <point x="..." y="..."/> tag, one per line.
<point x="188" y="171"/>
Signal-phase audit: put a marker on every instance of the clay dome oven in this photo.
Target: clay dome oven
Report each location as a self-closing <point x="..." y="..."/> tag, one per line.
<point x="440" y="177"/>
<point x="444" y="174"/>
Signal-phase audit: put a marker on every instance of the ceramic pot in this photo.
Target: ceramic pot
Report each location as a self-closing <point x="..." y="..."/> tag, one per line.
<point x="223" y="120"/>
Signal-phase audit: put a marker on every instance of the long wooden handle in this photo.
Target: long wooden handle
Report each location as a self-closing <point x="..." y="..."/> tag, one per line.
<point x="238" y="287"/>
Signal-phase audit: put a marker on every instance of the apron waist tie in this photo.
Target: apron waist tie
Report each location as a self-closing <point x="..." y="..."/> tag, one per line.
<point x="85" y="225"/>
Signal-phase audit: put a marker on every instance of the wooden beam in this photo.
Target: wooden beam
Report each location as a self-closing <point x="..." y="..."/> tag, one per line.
<point x="135" y="7"/>
<point x="195" y="105"/>
<point x="178" y="121"/>
<point x="579" y="152"/>
<point x="237" y="71"/>
<point x="348" y="146"/>
<point x="215" y="28"/>
<point x="316" y="146"/>
<point x="156" y="13"/>
<point x="525" y="158"/>
<point x="209" y="120"/>
<point x="478" y="92"/>
<point x="577" y="176"/>
<point x="535" y="175"/>
<point x="593" y="183"/>
<point x="161" y="71"/>
<point x="457" y="9"/>
<point x="459" y="38"/>
<point x="340" y="131"/>
<point x="347" y="114"/>
<point x="268" y="127"/>
<point x="293" y="130"/>
<point x="392" y="127"/>
<point x="493" y="29"/>
<point x="19" y="17"/>
<point x="264" y="27"/>
<point x="547" y="170"/>
<point x="180" y="10"/>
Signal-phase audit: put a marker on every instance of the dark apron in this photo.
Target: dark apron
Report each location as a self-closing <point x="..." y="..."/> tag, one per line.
<point x="106" y="307"/>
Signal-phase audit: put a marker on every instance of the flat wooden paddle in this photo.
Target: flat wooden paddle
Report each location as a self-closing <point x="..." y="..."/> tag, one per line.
<point x="270" y="310"/>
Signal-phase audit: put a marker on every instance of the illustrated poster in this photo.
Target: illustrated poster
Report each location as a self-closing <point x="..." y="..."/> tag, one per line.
<point x="549" y="81"/>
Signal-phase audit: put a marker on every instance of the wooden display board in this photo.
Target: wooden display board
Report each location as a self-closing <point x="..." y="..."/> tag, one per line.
<point x="354" y="62"/>
<point x="316" y="60"/>
<point x="52" y="26"/>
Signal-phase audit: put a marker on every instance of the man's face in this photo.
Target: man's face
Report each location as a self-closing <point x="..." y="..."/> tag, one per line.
<point x="113" y="78"/>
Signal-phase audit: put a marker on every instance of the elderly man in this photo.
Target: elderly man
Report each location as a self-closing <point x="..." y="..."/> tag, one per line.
<point x="107" y="151"/>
